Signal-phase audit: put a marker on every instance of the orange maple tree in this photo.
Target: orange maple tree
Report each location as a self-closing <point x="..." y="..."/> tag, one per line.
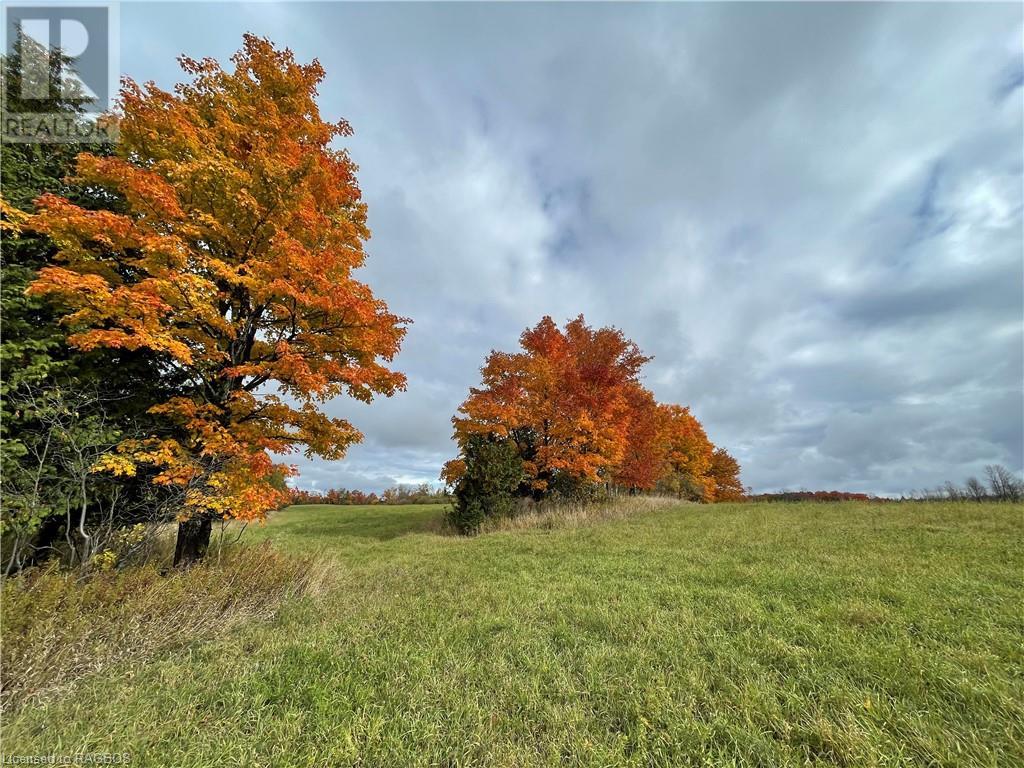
<point x="725" y="472"/>
<point x="230" y="255"/>
<point x="688" y="456"/>
<point x="645" y="455"/>
<point x="572" y="402"/>
<point x="563" y="399"/>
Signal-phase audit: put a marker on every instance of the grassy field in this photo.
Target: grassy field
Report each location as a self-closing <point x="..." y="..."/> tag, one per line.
<point x="761" y="635"/>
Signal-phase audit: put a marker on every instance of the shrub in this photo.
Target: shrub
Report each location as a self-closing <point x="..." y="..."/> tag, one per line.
<point x="489" y="484"/>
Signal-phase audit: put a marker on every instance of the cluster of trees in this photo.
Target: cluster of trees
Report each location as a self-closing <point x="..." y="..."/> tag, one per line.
<point x="567" y="416"/>
<point x="400" y="494"/>
<point x="1000" y="485"/>
<point x="178" y="305"/>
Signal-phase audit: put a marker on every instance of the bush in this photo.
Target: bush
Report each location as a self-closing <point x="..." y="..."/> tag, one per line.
<point x="488" y="487"/>
<point x="59" y="626"/>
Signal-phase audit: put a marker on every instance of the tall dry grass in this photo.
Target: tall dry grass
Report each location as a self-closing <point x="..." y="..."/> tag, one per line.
<point x="565" y="514"/>
<point x="57" y="627"/>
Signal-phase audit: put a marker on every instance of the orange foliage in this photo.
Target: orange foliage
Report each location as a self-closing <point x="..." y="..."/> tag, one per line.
<point x="231" y="257"/>
<point x="725" y="471"/>
<point x="688" y="449"/>
<point x="563" y="399"/>
<point x="572" y="402"/>
<point x="645" y="455"/>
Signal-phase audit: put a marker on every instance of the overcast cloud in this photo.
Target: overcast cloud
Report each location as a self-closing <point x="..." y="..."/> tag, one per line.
<point x="811" y="215"/>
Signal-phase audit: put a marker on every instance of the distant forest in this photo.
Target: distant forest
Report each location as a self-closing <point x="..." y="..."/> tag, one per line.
<point x="400" y="494"/>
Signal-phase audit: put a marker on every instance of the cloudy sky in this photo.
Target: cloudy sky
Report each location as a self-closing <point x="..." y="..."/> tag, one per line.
<point x="811" y="215"/>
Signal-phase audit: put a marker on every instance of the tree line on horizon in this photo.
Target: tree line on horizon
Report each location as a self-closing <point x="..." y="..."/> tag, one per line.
<point x="1000" y="484"/>
<point x="396" y="495"/>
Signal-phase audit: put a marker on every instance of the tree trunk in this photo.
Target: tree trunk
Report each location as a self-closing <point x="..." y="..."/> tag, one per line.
<point x="42" y="546"/>
<point x="193" y="540"/>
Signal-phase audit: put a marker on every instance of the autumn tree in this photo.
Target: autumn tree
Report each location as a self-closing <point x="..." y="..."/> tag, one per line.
<point x="231" y="259"/>
<point x="645" y="454"/>
<point x="688" y="456"/>
<point x="562" y="399"/>
<point x="725" y="472"/>
<point x="571" y="403"/>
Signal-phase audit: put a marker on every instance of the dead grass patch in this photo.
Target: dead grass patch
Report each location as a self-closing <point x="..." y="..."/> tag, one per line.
<point x="58" y="627"/>
<point x="559" y="515"/>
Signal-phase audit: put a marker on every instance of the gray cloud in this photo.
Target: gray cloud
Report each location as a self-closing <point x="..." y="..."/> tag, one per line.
<point x="809" y="213"/>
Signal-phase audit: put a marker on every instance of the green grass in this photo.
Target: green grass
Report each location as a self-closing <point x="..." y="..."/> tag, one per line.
<point x="760" y="635"/>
